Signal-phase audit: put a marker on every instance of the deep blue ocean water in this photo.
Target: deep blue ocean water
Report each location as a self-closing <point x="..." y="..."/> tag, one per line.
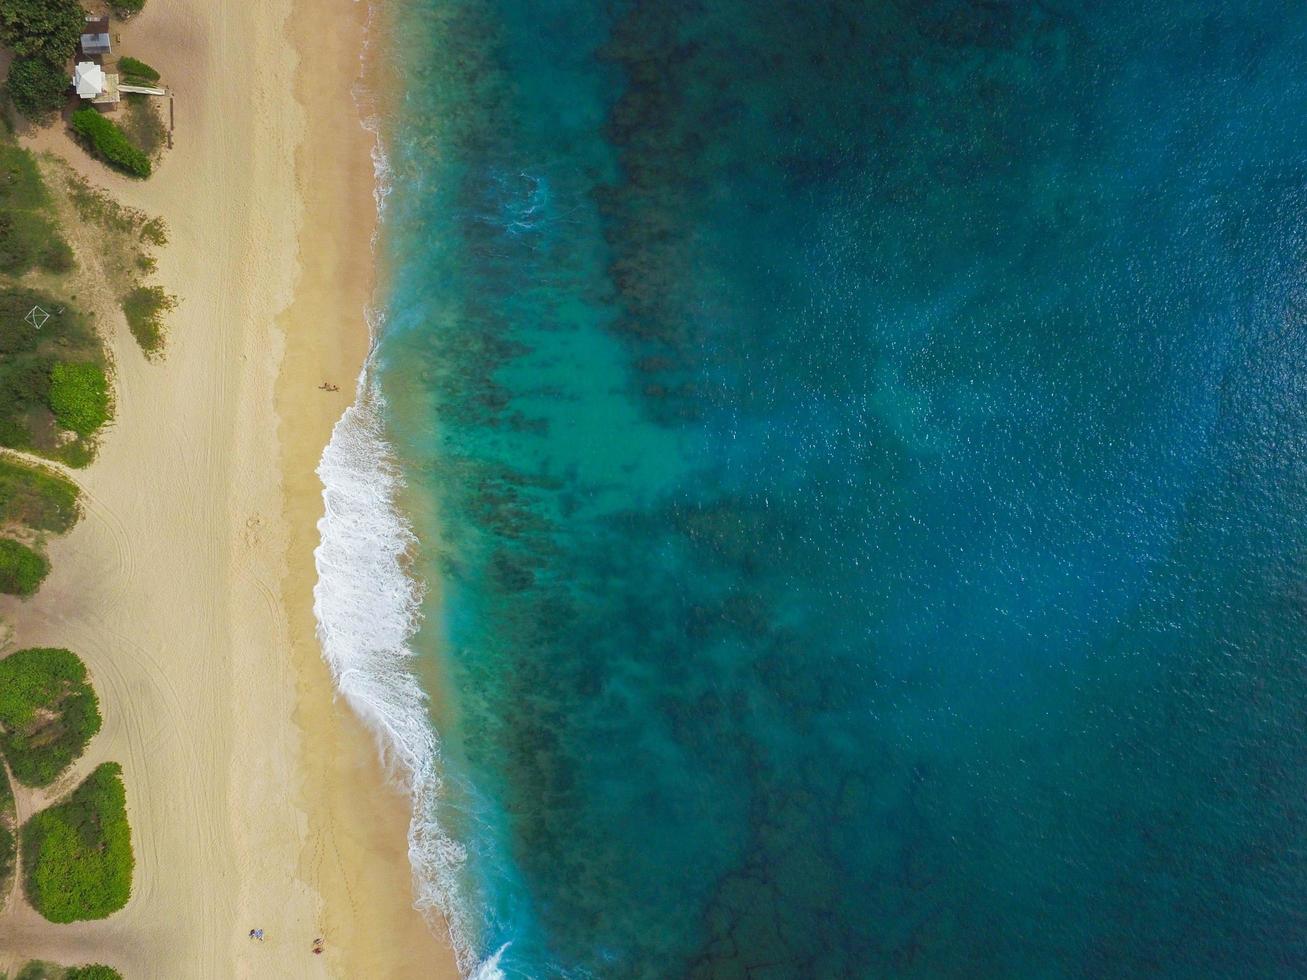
<point x="857" y="454"/>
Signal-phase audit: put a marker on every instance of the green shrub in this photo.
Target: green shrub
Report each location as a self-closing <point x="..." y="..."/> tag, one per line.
<point x="144" y="307"/>
<point x="40" y="970"/>
<point x="77" y="854"/>
<point x="47" y="29"/>
<point x="22" y="570"/>
<point x="132" y="68"/>
<point x="48" y="713"/>
<point x="37" y="86"/>
<point x="8" y="844"/>
<point x="37" y="498"/>
<point x="79" y="396"/>
<point x="109" y="143"/>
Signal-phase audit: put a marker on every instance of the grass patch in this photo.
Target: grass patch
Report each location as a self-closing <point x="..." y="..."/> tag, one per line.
<point x="131" y="232"/>
<point x="93" y="204"/>
<point x="144" y="307"/>
<point x="37" y="498"/>
<point x="131" y="237"/>
<point x="108" y="142"/>
<point x="96" y="206"/>
<point x="29" y="240"/>
<point x="79" y="396"/>
<point x="155" y="232"/>
<point x="77" y="854"/>
<point x="20" y="182"/>
<point x="144" y="126"/>
<point x="48" y="713"/>
<point x="22" y="570"/>
<point x="29" y="235"/>
<point x="136" y="70"/>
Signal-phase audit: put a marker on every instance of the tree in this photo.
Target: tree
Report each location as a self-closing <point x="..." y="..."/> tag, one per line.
<point x="48" y="29"/>
<point x="37" y="86"/>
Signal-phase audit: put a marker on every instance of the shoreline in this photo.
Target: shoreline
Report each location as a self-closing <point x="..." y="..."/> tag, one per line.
<point x="358" y="822"/>
<point x="256" y="798"/>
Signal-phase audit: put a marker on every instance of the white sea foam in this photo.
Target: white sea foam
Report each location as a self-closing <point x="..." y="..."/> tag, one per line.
<point x="489" y="968"/>
<point x="368" y="607"/>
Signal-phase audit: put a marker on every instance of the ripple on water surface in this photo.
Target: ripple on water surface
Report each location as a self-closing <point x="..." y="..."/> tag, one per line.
<point x="856" y="445"/>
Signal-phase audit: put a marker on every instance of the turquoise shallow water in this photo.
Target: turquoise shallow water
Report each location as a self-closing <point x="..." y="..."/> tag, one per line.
<point x="858" y="449"/>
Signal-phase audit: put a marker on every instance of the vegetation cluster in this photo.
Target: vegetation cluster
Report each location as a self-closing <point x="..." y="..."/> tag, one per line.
<point x="39" y="970"/>
<point x="8" y="838"/>
<point x="38" y="330"/>
<point x="22" y="569"/>
<point x="43" y="35"/>
<point x="132" y="236"/>
<point x="144" y="308"/>
<point x="36" y="498"/>
<point x="29" y="232"/>
<point x="54" y="394"/>
<point x="77" y="855"/>
<point x="37" y="86"/>
<point x="41" y="28"/>
<point x="48" y="713"/>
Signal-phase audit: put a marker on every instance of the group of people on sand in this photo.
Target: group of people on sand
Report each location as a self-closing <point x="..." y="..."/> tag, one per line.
<point x="317" y="943"/>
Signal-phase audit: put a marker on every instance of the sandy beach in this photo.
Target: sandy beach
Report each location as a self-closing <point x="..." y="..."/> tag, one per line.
<point x="255" y="798"/>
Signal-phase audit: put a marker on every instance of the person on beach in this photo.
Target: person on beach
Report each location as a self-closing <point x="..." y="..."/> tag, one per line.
<point x="258" y="934"/>
<point x="317" y="947"/>
<point x="252" y="932"/>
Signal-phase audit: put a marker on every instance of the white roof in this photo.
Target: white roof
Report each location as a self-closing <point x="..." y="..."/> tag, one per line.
<point x="88" y="79"/>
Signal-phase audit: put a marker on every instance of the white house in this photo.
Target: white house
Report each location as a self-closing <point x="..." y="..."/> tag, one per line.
<point x="94" y="85"/>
